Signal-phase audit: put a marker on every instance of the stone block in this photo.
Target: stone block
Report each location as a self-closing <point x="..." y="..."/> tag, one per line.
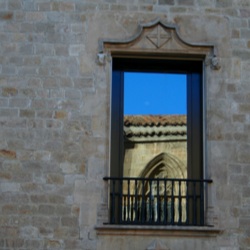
<point x="8" y="232"/>
<point x="66" y="233"/>
<point x="5" y="176"/>
<point x="38" y="198"/>
<point x="56" y="198"/>
<point x="33" y="244"/>
<point x="66" y="6"/>
<point x="22" y="177"/>
<point x="88" y="215"/>
<point x="60" y="114"/>
<point x="46" y="209"/>
<point x="7" y="154"/>
<point x="238" y="179"/>
<point x="76" y="50"/>
<point x="14" y="5"/>
<point x="244" y="222"/>
<point x="3" y="5"/>
<point x="96" y="168"/>
<point x="44" y="49"/>
<point x="87" y="192"/>
<point x="19" y="103"/>
<point x="5" y="16"/>
<point x="68" y="221"/>
<point x="4" y="102"/>
<point x="26" y="49"/>
<point x="56" y="179"/>
<point x="186" y="2"/>
<point x="35" y="16"/>
<point x="29" y="232"/>
<point x="4" y="112"/>
<point x="45" y="114"/>
<point x="53" y="244"/>
<point x="85" y="6"/>
<point x="245" y="13"/>
<point x="9" y="209"/>
<point x="27" y="209"/>
<point x="8" y="70"/>
<point x="29" y="5"/>
<point x="73" y="94"/>
<point x="10" y="187"/>
<point x="27" y="113"/>
<point x="166" y="2"/>
<point x="146" y="8"/>
<point x="68" y="168"/>
<point x="14" y="243"/>
<point x="53" y="124"/>
<point x="61" y="49"/>
<point x="62" y="210"/>
<point x="38" y="104"/>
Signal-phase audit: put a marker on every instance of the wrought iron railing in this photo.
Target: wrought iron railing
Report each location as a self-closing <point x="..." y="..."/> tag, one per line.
<point x="146" y="201"/>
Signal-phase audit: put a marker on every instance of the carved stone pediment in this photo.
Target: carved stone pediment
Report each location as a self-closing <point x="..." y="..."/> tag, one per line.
<point x="157" y="38"/>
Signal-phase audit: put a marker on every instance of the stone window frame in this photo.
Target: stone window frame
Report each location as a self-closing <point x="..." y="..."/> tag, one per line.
<point x="157" y="39"/>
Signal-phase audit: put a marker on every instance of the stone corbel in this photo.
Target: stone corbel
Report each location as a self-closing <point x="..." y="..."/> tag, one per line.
<point x="213" y="62"/>
<point x="102" y="58"/>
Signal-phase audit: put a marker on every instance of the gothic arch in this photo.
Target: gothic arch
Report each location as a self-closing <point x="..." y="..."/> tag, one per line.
<point x="164" y="165"/>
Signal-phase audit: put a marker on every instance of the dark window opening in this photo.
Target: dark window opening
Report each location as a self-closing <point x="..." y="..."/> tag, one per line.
<point x="156" y="156"/>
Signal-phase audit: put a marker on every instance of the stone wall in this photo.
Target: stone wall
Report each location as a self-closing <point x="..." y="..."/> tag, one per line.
<point x="54" y="121"/>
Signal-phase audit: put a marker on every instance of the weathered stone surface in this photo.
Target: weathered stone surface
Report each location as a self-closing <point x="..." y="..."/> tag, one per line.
<point x="55" y="113"/>
<point x="8" y="153"/>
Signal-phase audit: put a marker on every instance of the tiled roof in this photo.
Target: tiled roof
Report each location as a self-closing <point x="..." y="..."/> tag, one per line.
<point x="154" y="120"/>
<point x="155" y="127"/>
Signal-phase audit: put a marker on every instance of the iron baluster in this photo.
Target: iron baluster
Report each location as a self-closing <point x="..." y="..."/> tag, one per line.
<point x="172" y="203"/>
<point x="158" y="213"/>
<point x="194" y="203"/>
<point x="179" y="202"/>
<point x="113" y="210"/>
<point x="187" y="202"/>
<point x="120" y="201"/>
<point x="165" y="213"/>
<point x="136" y="202"/>
<point x="128" y="200"/>
<point x="143" y="201"/>
<point x="201" y="204"/>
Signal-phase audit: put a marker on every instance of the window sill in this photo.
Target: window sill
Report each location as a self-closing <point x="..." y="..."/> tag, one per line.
<point x="173" y="231"/>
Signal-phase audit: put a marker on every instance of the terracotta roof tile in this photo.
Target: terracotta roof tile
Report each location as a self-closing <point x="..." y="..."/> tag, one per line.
<point x="155" y="127"/>
<point x="154" y="120"/>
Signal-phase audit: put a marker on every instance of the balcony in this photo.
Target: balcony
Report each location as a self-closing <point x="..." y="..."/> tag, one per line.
<point x="147" y="201"/>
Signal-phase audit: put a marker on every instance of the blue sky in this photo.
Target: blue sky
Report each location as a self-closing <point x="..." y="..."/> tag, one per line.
<point x="154" y="93"/>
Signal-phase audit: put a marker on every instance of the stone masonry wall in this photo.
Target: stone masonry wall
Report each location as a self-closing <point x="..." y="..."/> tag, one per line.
<point x="54" y="119"/>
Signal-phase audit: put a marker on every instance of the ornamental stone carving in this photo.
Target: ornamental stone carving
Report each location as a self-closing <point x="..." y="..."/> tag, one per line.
<point x="158" y="39"/>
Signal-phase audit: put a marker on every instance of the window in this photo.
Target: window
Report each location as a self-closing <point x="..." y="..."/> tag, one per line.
<point x="156" y="175"/>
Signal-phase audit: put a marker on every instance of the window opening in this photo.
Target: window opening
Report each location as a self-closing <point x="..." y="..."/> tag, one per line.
<point x="139" y="133"/>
